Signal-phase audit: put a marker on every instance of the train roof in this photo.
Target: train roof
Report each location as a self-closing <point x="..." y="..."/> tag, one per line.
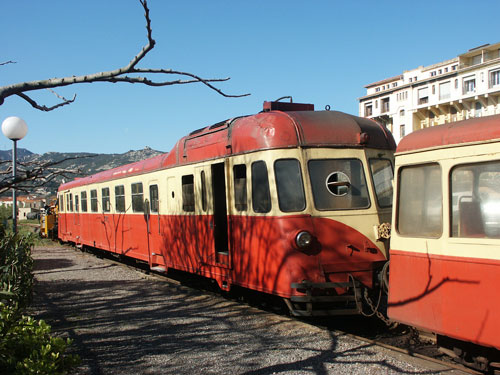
<point x="481" y="129"/>
<point x="280" y="125"/>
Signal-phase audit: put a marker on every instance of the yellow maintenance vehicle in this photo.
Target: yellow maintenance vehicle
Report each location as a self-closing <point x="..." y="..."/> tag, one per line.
<point x="48" y="221"/>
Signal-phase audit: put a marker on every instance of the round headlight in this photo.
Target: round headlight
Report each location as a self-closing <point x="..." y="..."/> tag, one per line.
<point x="303" y="239"/>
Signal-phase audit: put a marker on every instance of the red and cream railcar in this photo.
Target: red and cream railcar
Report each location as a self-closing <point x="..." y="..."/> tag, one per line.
<point x="284" y="202"/>
<point x="445" y="243"/>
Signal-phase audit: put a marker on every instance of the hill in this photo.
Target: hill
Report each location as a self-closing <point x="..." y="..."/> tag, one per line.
<point x="87" y="163"/>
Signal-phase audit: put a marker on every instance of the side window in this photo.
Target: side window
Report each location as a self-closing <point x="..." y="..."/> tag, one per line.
<point x="475" y="200"/>
<point x="382" y="176"/>
<point x="338" y="184"/>
<point x="137" y="198"/>
<point x="290" y="185"/>
<point x="106" y="207"/>
<point x="188" y="193"/>
<point x="240" y="187"/>
<point x="93" y="200"/>
<point x="420" y="201"/>
<point x="67" y="202"/>
<point x="76" y="203"/>
<point x="153" y="197"/>
<point x="261" y="197"/>
<point x="83" y="196"/>
<point x="120" y="198"/>
<point x="203" y="191"/>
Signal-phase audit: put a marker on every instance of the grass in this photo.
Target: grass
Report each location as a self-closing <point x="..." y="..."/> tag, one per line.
<point x="25" y="227"/>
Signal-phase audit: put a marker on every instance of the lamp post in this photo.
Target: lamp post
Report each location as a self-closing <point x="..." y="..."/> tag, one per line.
<point x="15" y="129"/>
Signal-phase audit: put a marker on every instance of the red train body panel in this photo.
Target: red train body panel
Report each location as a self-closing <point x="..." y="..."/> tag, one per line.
<point x="231" y="231"/>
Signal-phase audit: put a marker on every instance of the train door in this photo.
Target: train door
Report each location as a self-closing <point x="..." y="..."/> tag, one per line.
<point x="63" y="217"/>
<point x="153" y="224"/>
<point x="77" y="212"/>
<point x="219" y="223"/>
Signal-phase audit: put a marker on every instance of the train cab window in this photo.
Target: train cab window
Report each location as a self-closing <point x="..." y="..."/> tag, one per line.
<point x="261" y="197"/>
<point x="382" y="176"/>
<point x="83" y="198"/>
<point x="290" y="186"/>
<point x="420" y="201"/>
<point x="93" y="200"/>
<point x="153" y="197"/>
<point x="240" y="187"/>
<point x="338" y="184"/>
<point x="137" y="197"/>
<point x="106" y="206"/>
<point x="188" y="193"/>
<point x="77" y="208"/>
<point x="120" y="198"/>
<point x="475" y="200"/>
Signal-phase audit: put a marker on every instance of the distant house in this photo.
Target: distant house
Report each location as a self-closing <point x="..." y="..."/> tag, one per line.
<point x="25" y="205"/>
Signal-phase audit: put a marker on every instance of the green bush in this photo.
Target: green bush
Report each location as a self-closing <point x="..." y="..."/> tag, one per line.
<point x="26" y="346"/>
<point x="16" y="268"/>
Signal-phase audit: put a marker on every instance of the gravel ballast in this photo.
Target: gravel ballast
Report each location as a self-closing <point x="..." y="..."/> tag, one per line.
<point x="126" y="322"/>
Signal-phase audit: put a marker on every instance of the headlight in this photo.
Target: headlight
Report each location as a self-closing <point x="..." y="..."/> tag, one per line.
<point x="303" y="239"/>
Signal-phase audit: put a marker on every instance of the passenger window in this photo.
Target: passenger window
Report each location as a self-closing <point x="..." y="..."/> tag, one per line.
<point x="203" y="191"/>
<point x="120" y="198"/>
<point x="106" y="207"/>
<point x="475" y="200"/>
<point x="261" y="197"/>
<point x="240" y="187"/>
<point x="137" y="198"/>
<point x="153" y="197"/>
<point x="188" y="193"/>
<point x="83" y="196"/>
<point x="420" y="201"/>
<point x="290" y="186"/>
<point x="338" y="184"/>
<point x="93" y="200"/>
<point x="382" y="176"/>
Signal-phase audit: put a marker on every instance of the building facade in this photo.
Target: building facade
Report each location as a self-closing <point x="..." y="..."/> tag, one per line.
<point x="453" y="90"/>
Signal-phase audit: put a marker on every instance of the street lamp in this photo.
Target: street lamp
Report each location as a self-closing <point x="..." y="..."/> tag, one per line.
<point x="15" y="129"/>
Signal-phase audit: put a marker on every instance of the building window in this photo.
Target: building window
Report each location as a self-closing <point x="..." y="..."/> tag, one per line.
<point x="454" y="67"/>
<point x="423" y="95"/>
<point x="376" y="104"/>
<point x="411" y="80"/>
<point x="120" y="198"/>
<point x="433" y="74"/>
<point x="395" y="84"/>
<point x="495" y="78"/>
<point x="444" y="91"/>
<point x="402" y="132"/>
<point x="402" y="113"/>
<point x="93" y="200"/>
<point x="106" y="207"/>
<point x="153" y="198"/>
<point x="446" y="70"/>
<point x="83" y="198"/>
<point x="368" y="110"/>
<point x="433" y="89"/>
<point x="377" y="89"/>
<point x="137" y="199"/>
<point x="478" y="107"/>
<point x="240" y="187"/>
<point x="456" y="83"/>
<point x="385" y="105"/>
<point x="469" y="85"/>
<point x="261" y="197"/>
<point x="188" y="193"/>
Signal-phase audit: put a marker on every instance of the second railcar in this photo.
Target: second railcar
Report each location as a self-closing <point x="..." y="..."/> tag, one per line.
<point x="288" y="202"/>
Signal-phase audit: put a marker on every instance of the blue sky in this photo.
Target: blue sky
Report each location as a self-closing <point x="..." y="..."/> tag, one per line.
<point x="320" y="52"/>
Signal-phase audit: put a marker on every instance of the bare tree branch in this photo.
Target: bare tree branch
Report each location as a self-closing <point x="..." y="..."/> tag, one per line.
<point x="7" y="62"/>
<point x="113" y="76"/>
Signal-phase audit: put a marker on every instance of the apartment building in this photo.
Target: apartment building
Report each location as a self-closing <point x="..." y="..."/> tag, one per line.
<point x="453" y="90"/>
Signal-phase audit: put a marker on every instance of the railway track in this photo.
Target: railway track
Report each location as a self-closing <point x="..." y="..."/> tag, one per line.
<point x="403" y="340"/>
